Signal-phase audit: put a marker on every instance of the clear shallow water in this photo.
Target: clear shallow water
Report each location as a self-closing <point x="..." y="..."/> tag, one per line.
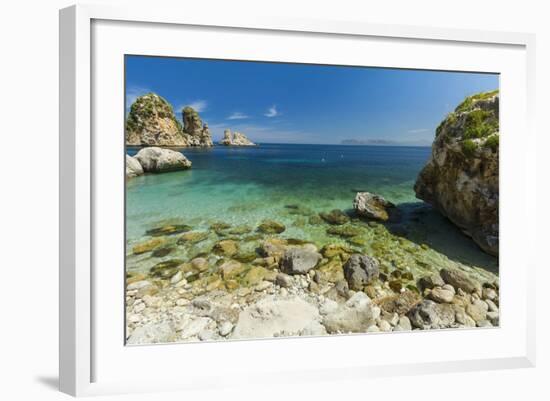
<point x="248" y="183"/>
<point x="245" y="185"/>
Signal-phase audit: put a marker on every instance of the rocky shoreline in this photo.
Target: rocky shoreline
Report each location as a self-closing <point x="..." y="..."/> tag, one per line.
<point x="253" y="282"/>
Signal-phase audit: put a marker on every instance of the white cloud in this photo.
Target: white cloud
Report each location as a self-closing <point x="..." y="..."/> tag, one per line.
<point x="272" y="112"/>
<point x="198" y="105"/>
<point x="418" y="130"/>
<point x="237" y="116"/>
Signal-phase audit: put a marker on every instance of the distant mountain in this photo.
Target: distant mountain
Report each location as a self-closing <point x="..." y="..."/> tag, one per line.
<point x="368" y="142"/>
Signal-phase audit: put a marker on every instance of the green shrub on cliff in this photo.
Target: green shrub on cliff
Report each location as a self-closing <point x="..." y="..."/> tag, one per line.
<point x="492" y="142"/>
<point x="471" y="100"/>
<point x="479" y="124"/>
<point x="469" y="147"/>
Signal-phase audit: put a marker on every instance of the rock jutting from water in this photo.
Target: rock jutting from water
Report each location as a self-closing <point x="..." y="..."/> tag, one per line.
<point x="133" y="167"/>
<point x="372" y="206"/>
<point x="152" y="122"/>
<point x="461" y="178"/>
<point x="158" y="160"/>
<point x="235" y="139"/>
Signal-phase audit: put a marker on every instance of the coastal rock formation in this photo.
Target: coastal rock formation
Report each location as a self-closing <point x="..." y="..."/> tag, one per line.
<point x="133" y="167"/>
<point x="372" y="206"/>
<point x="193" y="126"/>
<point x="461" y="177"/>
<point x="152" y="122"/>
<point x="157" y="160"/>
<point x="235" y="139"/>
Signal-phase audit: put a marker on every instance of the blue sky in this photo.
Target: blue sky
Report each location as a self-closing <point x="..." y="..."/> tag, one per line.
<point x="296" y="103"/>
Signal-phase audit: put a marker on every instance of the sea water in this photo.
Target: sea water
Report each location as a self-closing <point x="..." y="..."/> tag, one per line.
<point x="246" y="185"/>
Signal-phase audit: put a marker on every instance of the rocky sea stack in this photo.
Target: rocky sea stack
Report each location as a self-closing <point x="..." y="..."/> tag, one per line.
<point x="152" y="122"/>
<point x="235" y="139"/>
<point x="461" y="178"/>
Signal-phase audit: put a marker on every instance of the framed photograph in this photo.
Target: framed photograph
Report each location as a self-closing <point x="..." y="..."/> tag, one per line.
<point x="288" y="198"/>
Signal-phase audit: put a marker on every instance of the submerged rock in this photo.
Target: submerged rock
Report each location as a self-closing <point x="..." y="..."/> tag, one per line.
<point x="226" y="247"/>
<point x="235" y="139"/>
<point x="360" y="270"/>
<point x="133" y="167"/>
<point x="271" y="227"/>
<point x="335" y="216"/>
<point x="169" y="229"/>
<point x="166" y="269"/>
<point x="372" y="206"/>
<point x="148" y="246"/>
<point x="461" y="179"/>
<point x="299" y="261"/>
<point x="192" y="237"/>
<point x="157" y="160"/>
<point x="347" y="231"/>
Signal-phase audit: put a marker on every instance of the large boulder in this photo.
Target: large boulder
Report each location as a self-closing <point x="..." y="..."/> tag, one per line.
<point x="273" y="317"/>
<point x="360" y="270"/>
<point x="356" y="315"/>
<point x="372" y="206"/>
<point x="133" y="167"/>
<point x="152" y="122"/>
<point x="157" y="160"/>
<point x="299" y="260"/>
<point x="235" y="139"/>
<point x="461" y="178"/>
<point x="151" y="333"/>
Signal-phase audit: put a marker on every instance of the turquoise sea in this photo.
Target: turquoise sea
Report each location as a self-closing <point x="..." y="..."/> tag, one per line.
<point x="245" y="185"/>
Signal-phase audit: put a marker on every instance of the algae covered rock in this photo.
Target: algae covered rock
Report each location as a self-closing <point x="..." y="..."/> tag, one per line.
<point x="372" y="206"/>
<point x="157" y="160"/>
<point x="226" y="247"/>
<point x="271" y="227"/>
<point x="461" y="178"/>
<point x="335" y="217"/>
<point x="148" y="246"/>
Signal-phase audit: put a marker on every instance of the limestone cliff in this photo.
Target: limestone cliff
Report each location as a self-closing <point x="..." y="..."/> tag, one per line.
<point x="461" y="178"/>
<point x="199" y="134"/>
<point x="235" y="139"/>
<point x="152" y="122"/>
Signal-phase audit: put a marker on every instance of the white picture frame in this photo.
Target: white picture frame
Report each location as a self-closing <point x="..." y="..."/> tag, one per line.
<point x="92" y="362"/>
